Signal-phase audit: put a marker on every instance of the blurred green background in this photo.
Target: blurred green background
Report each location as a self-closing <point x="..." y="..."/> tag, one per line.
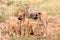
<point x="52" y="7"/>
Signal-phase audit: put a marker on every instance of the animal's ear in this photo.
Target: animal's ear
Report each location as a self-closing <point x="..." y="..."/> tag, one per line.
<point x="36" y="15"/>
<point x="23" y="14"/>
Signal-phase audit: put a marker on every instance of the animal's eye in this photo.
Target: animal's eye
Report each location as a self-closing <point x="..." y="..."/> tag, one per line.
<point x="24" y="14"/>
<point x="20" y="15"/>
<point x="36" y="15"/>
<point x="39" y="13"/>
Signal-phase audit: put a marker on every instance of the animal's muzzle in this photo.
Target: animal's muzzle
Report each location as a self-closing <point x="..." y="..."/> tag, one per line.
<point x="35" y="17"/>
<point x="19" y="18"/>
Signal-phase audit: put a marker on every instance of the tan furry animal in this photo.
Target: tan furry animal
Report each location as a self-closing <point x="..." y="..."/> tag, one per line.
<point x="41" y="22"/>
<point x="36" y="27"/>
<point x="23" y="23"/>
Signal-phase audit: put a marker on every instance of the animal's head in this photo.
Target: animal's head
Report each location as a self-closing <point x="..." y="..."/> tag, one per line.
<point x="37" y="15"/>
<point x="21" y="16"/>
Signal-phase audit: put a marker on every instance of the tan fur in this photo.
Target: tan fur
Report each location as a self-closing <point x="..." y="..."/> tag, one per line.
<point x="27" y="24"/>
<point x="44" y="18"/>
<point x="42" y="24"/>
<point x="23" y="23"/>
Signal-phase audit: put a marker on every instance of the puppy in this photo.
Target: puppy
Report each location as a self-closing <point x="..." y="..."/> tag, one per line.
<point x="41" y="22"/>
<point x="36" y="28"/>
<point x="23" y="23"/>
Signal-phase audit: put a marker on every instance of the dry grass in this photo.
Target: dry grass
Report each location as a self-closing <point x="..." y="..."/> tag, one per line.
<point x="9" y="7"/>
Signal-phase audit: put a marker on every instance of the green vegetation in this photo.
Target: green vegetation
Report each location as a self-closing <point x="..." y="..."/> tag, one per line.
<point x="31" y="16"/>
<point x="13" y="6"/>
<point x="4" y="16"/>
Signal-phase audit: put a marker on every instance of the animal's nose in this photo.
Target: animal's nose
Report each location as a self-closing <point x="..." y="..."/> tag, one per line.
<point x="32" y="33"/>
<point x="19" y="18"/>
<point x="35" y="17"/>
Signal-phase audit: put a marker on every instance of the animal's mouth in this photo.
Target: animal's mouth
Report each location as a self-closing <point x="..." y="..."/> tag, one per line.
<point x="35" y="17"/>
<point x="31" y="33"/>
<point x="19" y="18"/>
